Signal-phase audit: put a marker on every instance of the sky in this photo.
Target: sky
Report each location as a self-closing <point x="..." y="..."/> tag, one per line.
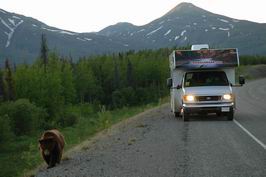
<point x="94" y="15"/>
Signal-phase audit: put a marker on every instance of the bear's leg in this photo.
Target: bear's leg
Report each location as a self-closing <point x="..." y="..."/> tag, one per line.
<point x="57" y="154"/>
<point x="52" y="161"/>
<point x="46" y="158"/>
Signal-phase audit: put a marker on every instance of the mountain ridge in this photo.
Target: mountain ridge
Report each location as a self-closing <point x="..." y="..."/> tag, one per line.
<point x="184" y="24"/>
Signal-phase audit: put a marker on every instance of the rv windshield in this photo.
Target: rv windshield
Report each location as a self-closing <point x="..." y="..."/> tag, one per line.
<point x="205" y="78"/>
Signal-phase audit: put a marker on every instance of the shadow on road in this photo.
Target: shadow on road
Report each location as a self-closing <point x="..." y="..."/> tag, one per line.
<point x="201" y="118"/>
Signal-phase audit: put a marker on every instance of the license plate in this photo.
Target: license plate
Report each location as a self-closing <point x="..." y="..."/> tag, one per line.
<point x="225" y="109"/>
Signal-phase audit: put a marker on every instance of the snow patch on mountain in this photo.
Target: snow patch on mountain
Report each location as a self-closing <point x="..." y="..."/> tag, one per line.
<point x="169" y="31"/>
<point x="12" y="30"/>
<point x="34" y="25"/>
<point x="60" y="31"/>
<point x="2" y="11"/>
<point x="78" y="38"/>
<point x="12" y="21"/>
<point x="213" y="28"/>
<point x="228" y="34"/>
<point x="177" y="37"/>
<point x="154" y="31"/>
<point x="141" y="30"/>
<point x="67" y="32"/>
<point x="224" y="29"/>
<point x="161" y="22"/>
<point x="223" y="20"/>
<point x="52" y="30"/>
<point x="235" y="20"/>
<point x="183" y="32"/>
<point x="16" y="17"/>
<point x="88" y="39"/>
<point x="206" y="30"/>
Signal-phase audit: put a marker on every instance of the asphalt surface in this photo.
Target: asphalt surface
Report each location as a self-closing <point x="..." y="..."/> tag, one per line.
<point x="157" y="144"/>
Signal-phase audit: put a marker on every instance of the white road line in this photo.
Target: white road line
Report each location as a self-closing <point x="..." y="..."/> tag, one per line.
<point x="250" y="134"/>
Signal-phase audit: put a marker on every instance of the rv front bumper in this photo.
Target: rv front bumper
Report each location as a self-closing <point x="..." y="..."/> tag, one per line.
<point x="195" y="108"/>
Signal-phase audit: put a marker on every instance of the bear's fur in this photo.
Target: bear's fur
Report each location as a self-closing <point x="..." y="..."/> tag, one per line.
<point x="51" y="146"/>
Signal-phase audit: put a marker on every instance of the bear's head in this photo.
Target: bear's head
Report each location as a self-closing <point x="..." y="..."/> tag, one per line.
<point x="47" y="145"/>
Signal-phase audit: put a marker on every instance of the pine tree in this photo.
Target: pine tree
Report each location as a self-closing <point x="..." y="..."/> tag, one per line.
<point x="116" y="75"/>
<point x="9" y="86"/>
<point x="1" y="86"/>
<point x="44" y="51"/>
<point x="129" y="74"/>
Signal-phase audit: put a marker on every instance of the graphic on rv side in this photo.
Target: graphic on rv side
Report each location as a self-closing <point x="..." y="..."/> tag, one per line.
<point x="211" y="58"/>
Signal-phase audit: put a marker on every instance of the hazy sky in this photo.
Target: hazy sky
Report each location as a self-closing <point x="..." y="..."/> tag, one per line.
<point x="94" y="15"/>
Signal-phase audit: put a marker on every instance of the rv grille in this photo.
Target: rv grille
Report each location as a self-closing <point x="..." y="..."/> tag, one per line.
<point x="208" y="98"/>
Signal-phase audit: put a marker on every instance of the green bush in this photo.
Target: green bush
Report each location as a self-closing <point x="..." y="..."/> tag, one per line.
<point x="5" y="129"/>
<point x="86" y="109"/>
<point x="25" y="117"/>
<point x="68" y="119"/>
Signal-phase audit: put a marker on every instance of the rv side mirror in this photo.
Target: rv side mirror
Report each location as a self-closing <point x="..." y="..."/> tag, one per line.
<point x="241" y="80"/>
<point x="178" y="86"/>
<point x="169" y="82"/>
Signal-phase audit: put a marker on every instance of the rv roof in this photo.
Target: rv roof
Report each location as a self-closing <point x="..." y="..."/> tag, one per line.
<point x="199" y="46"/>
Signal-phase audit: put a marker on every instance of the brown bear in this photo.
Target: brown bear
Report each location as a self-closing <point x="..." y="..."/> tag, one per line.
<point x="51" y="146"/>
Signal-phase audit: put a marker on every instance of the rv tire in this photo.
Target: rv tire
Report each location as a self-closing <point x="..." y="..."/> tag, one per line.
<point x="177" y="114"/>
<point x="185" y="116"/>
<point x="230" y="115"/>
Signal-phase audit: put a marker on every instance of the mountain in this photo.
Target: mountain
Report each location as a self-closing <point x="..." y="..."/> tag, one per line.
<point x="20" y="38"/>
<point x="185" y="24"/>
<point x="188" y="24"/>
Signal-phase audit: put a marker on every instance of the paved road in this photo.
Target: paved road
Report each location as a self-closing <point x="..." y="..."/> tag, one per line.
<point x="156" y="144"/>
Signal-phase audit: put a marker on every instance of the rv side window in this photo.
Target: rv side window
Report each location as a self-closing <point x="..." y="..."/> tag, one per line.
<point x="205" y="78"/>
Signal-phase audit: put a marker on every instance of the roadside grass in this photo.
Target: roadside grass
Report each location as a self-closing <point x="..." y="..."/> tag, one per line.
<point x="251" y="72"/>
<point x="19" y="157"/>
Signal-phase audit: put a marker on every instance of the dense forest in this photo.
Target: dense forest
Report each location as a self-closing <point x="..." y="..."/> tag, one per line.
<point x="55" y="92"/>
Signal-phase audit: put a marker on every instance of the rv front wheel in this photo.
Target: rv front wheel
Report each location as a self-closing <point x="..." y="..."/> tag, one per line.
<point x="230" y="115"/>
<point x="177" y="114"/>
<point x="185" y="116"/>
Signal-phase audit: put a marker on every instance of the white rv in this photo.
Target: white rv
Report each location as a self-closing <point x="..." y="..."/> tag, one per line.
<point x="201" y="81"/>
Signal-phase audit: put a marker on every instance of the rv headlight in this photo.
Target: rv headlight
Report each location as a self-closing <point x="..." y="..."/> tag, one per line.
<point x="189" y="98"/>
<point x="227" y="97"/>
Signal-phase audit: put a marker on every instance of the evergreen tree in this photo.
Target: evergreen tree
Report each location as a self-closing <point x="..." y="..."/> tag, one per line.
<point x="68" y="86"/>
<point x="9" y="87"/>
<point x="116" y="76"/>
<point x="44" y="51"/>
<point x="129" y="74"/>
<point x="1" y="86"/>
